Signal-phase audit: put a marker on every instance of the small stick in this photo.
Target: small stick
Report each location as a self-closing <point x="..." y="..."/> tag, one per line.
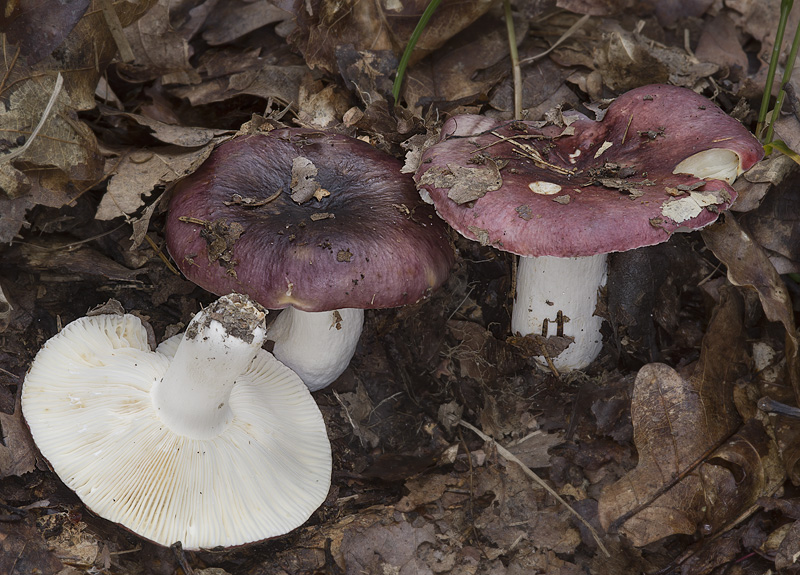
<point x="511" y="457"/>
<point x="512" y="47"/>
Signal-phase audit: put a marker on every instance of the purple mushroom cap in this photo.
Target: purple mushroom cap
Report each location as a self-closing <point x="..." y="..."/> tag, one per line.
<point x="366" y="240"/>
<point x="603" y="186"/>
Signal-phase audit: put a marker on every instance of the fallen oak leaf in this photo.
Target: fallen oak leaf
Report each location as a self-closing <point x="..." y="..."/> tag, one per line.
<point x="682" y="431"/>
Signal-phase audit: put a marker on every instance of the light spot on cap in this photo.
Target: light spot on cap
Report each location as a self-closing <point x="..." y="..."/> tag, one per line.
<point x="544" y="188"/>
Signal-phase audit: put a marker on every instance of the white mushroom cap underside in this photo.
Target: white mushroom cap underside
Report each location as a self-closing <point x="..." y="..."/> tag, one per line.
<point x="87" y="402"/>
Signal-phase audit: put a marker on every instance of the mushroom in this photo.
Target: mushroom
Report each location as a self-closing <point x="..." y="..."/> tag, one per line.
<point x="208" y="440"/>
<point x="661" y="160"/>
<point x="320" y="224"/>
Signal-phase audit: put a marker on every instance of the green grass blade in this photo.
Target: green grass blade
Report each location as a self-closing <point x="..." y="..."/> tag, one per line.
<point x="412" y="42"/>
<point x="787" y="75"/>
<point x="786" y="7"/>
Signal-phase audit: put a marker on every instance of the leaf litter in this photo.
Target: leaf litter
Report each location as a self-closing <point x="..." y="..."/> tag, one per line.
<point x="671" y="464"/>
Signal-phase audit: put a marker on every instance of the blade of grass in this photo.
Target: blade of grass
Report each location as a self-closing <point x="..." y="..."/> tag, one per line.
<point x="412" y="42"/>
<point x="787" y="75"/>
<point x="786" y="7"/>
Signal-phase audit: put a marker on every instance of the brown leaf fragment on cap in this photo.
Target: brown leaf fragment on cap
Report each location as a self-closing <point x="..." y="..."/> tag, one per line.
<point x="304" y="180"/>
<point x="562" y="199"/>
<point x="481" y="235"/>
<point x="466" y="184"/>
<point x="524" y="211"/>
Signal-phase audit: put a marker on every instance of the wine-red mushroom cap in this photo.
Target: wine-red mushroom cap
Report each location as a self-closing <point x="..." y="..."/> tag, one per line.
<point x="596" y="186"/>
<point x="363" y="240"/>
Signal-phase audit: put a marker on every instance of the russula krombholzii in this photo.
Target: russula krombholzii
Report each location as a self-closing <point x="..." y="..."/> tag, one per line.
<point x="208" y="440"/>
<point x="320" y="224"/>
<point x="661" y="160"/>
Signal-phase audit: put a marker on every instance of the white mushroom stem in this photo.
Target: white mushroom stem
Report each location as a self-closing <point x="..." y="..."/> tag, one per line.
<point x="217" y="347"/>
<point x="318" y="346"/>
<point x="549" y="285"/>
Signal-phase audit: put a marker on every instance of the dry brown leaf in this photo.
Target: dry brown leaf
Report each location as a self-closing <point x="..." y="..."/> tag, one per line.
<point x="234" y="18"/>
<point x="595" y="7"/>
<point x="374" y="25"/>
<point x="775" y="224"/>
<point x="390" y="548"/>
<point x="677" y="421"/>
<point x="426" y="489"/>
<point x="479" y="355"/>
<point x="280" y="83"/>
<point x="160" y="45"/>
<point x="518" y="511"/>
<point x="64" y="146"/>
<point x="753" y="185"/>
<point x="670" y="11"/>
<point x="63" y="142"/>
<point x="749" y="265"/>
<point x="184" y="136"/>
<point x="533" y="449"/>
<point x="789" y="549"/>
<point x="23" y="550"/>
<point x="37" y="28"/>
<point x="463" y="72"/>
<point x="626" y="59"/>
<point x="543" y="89"/>
<point x="17" y="451"/>
<point x="65" y="260"/>
<point x="720" y="43"/>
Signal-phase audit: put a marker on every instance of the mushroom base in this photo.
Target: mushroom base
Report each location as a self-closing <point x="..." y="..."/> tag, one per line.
<point x="558" y="296"/>
<point x="318" y="346"/>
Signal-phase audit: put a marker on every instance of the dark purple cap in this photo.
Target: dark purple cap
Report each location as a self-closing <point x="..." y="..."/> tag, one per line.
<point x="603" y="186"/>
<point x="367" y="242"/>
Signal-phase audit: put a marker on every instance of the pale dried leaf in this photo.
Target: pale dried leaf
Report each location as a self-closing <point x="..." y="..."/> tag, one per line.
<point x="137" y="173"/>
<point x="280" y="83"/>
<point x="184" y="136"/>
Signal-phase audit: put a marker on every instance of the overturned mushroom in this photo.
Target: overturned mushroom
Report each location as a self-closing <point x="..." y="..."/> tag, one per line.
<point x="321" y="224"/>
<point x="208" y="440"/>
<point x="661" y="160"/>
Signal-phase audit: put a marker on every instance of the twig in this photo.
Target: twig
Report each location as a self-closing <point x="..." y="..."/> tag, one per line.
<point x="161" y="255"/>
<point x="115" y="27"/>
<point x="511" y="457"/>
<point x="532" y="153"/>
<point x="49" y="108"/>
<point x="512" y="47"/>
<point x="769" y="405"/>
<point x="572" y="29"/>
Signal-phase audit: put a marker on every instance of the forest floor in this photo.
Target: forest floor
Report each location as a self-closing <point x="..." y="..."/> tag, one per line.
<point x="442" y="424"/>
